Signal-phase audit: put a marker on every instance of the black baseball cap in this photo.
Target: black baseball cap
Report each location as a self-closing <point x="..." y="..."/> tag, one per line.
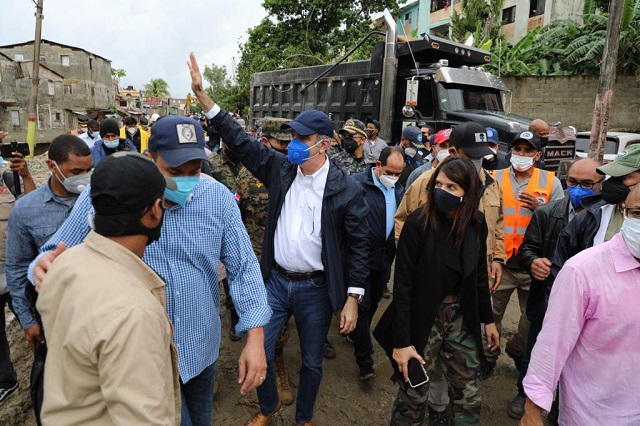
<point x="126" y="182"/>
<point x="178" y="139"/>
<point x="310" y="122"/>
<point x="374" y="122"/>
<point x="472" y="138"/>
<point x="529" y="137"/>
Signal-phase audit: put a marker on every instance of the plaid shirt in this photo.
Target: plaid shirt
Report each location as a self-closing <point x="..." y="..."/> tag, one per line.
<point x="194" y="239"/>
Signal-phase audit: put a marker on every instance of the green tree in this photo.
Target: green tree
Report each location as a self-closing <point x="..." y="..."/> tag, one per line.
<point x="118" y="73"/>
<point x="226" y="92"/>
<point x="482" y="18"/>
<point x="157" y="88"/>
<point x="307" y="32"/>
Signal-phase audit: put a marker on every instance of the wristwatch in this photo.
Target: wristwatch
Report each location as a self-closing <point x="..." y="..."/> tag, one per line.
<point x="356" y="296"/>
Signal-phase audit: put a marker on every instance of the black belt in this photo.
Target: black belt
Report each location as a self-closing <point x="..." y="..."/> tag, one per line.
<point x="299" y="276"/>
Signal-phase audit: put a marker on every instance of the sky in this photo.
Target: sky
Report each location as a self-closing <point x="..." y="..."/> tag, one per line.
<point x="147" y="38"/>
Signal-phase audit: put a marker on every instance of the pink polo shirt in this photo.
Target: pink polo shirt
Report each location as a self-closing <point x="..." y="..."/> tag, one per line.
<point x="590" y="340"/>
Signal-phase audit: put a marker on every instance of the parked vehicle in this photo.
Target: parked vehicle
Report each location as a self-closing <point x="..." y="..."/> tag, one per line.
<point x="615" y="143"/>
<point x="430" y="79"/>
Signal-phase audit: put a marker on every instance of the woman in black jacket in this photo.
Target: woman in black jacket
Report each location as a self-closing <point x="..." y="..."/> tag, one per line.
<point x="441" y="294"/>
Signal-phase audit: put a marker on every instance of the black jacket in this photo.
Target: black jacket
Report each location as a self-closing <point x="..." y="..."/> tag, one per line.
<point x="546" y="224"/>
<point x="427" y="265"/>
<point x="576" y="236"/>
<point x="382" y="250"/>
<point x="343" y="219"/>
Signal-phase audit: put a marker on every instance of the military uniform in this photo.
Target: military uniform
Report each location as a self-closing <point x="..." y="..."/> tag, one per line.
<point x="344" y="160"/>
<point x="224" y="170"/>
<point x="253" y="201"/>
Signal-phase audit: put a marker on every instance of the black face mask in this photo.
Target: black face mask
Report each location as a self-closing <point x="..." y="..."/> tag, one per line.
<point x="544" y="141"/>
<point x="110" y="227"/>
<point x="445" y="201"/>
<point x="350" y="145"/>
<point x="614" y="191"/>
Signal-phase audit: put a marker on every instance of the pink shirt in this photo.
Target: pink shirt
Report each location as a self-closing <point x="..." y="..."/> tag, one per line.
<point x="590" y="340"/>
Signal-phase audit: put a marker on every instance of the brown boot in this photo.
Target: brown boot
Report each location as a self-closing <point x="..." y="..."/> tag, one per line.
<point x="262" y="420"/>
<point x="282" y="380"/>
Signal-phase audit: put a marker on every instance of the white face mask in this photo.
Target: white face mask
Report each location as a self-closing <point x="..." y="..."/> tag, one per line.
<point x="442" y="154"/>
<point x="132" y="130"/>
<point x="520" y="163"/>
<point x="73" y="184"/>
<point x="477" y="162"/>
<point x="388" y="181"/>
<point x="631" y="233"/>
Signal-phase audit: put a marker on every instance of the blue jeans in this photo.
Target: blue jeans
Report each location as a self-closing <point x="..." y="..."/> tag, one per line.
<point x="308" y="302"/>
<point x="197" y="398"/>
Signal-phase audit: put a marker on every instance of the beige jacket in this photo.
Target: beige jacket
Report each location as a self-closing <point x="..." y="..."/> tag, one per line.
<point x="110" y="359"/>
<point x="490" y="206"/>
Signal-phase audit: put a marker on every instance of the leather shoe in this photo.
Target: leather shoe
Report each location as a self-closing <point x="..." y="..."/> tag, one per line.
<point x="516" y="410"/>
<point x="262" y="420"/>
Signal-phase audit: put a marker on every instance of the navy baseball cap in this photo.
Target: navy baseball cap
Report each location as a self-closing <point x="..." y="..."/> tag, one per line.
<point x="178" y="140"/>
<point x="414" y="135"/>
<point x="310" y="122"/>
<point x="492" y="135"/>
<point x="374" y="122"/>
<point x="472" y="137"/>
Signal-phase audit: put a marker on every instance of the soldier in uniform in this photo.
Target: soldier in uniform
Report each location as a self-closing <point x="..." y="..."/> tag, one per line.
<point x="253" y="200"/>
<point x="350" y="156"/>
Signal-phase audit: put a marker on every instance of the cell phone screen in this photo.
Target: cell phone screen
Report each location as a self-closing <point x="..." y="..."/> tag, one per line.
<point x="417" y="373"/>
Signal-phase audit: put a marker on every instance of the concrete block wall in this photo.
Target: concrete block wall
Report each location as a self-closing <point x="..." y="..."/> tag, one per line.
<point x="571" y="100"/>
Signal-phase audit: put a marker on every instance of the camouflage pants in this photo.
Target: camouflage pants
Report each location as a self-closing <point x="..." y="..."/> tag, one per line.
<point x="451" y="344"/>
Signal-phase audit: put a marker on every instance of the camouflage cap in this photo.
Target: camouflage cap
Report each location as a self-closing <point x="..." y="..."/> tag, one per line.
<point x="271" y="126"/>
<point x="353" y="126"/>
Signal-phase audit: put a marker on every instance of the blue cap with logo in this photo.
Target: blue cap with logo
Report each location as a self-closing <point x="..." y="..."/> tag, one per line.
<point x="492" y="135"/>
<point x="414" y="135"/>
<point x="178" y="140"/>
<point x="311" y="122"/>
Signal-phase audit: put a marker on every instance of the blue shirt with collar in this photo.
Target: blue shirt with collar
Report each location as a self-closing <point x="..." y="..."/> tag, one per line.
<point x="194" y="239"/>
<point x="35" y="217"/>
<point x="389" y="199"/>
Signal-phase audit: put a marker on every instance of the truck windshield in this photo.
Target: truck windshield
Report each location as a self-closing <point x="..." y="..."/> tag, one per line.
<point x="456" y="97"/>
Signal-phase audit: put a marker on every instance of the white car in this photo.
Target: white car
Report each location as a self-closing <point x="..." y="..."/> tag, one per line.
<point x="616" y="142"/>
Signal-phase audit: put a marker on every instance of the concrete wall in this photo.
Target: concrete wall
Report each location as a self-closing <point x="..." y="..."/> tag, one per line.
<point x="571" y="100"/>
<point x="88" y="82"/>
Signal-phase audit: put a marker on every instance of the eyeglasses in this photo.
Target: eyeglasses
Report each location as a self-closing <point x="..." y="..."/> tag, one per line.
<point x="586" y="184"/>
<point x="633" y="212"/>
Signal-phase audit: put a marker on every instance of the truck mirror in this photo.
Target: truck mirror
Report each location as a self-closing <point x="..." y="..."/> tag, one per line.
<point x="408" y="111"/>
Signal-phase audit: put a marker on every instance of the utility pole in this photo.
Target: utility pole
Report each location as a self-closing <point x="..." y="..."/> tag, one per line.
<point x="35" y="80"/>
<point x="604" y="98"/>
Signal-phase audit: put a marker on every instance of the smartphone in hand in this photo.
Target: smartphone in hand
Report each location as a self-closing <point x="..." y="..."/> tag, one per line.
<point x="417" y="373"/>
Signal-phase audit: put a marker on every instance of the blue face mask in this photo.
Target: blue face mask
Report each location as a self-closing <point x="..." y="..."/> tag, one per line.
<point x="95" y="134"/>
<point x="111" y="144"/>
<point x="186" y="185"/>
<point x="577" y="193"/>
<point x="298" y="151"/>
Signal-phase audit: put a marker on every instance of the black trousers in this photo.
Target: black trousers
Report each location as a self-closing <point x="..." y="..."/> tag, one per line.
<point x="8" y="376"/>
<point x="361" y="335"/>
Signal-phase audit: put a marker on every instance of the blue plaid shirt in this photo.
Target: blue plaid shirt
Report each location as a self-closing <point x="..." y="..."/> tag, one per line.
<point x="34" y="219"/>
<point x="194" y="239"/>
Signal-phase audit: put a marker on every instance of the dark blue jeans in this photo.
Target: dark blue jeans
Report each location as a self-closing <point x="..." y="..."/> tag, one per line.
<point x="308" y="302"/>
<point x="197" y="398"/>
<point x="361" y="335"/>
<point x="8" y="376"/>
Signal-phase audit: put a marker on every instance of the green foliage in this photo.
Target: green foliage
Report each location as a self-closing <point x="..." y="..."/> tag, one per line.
<point x="482" y="18"/>
<point x="565" y="47"/>
<point x="227" y="93"/>
<point x="157" y="88"/>
<point x="307" y="32"/>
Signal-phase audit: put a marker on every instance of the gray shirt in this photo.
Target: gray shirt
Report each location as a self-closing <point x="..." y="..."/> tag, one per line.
<point x="372" y="149"/>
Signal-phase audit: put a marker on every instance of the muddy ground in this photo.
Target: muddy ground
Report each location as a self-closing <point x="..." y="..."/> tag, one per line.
<point x="343" y="399"/>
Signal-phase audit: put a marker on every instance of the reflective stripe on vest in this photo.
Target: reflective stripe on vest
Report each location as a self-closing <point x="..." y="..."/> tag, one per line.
<point x="517" y="217"/>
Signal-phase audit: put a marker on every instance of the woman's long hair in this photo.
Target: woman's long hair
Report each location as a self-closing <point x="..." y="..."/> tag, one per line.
<point x="462" y="172"/>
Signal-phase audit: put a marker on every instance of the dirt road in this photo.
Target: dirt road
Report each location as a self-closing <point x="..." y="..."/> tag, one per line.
<point x="343" y="400"/>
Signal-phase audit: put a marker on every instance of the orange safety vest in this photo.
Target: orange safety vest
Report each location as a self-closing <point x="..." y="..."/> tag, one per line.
<point x="516" y="216"/>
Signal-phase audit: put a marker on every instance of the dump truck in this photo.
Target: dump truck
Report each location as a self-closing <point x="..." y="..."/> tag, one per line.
<point x="430" y="80"/>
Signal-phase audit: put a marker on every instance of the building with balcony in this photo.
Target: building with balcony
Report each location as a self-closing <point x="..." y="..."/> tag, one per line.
<point x="422" y="17"/>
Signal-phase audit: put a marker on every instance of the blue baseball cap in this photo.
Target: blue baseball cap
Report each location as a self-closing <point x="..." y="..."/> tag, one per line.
<point x="310" y="122"/>
<point x="414" y="135"/>
<point x="178" y="140"/>
<point x="492" y="135"/>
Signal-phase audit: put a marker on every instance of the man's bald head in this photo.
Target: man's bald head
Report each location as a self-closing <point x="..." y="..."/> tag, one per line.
<point x="583" y="172"/>
<point x="539" y="127"/>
